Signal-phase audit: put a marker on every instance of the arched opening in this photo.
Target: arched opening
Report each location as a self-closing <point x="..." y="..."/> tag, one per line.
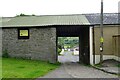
<point x="82" y="32"/>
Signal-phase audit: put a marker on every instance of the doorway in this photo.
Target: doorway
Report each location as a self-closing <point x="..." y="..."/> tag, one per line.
<point x="82" y="32"/>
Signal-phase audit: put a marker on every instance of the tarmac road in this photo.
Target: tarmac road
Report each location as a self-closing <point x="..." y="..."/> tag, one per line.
<point x="71" y="69"/>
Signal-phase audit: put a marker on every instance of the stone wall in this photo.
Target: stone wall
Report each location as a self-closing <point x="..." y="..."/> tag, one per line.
<point x="41" y="44"/>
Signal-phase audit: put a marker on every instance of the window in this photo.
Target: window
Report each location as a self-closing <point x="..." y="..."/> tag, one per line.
<point x="23" y="33"/>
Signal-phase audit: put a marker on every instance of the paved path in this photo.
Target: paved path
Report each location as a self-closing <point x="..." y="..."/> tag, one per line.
<point x="71" y="69"/>
<point x="76" y="70"/>
<point x="110" y="66"/>
<point x="68" y="57"/>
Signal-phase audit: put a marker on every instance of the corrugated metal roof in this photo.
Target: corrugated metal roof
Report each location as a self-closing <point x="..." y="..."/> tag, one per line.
<point x="46" y="20"/>
<point x="4" y="20"/>
<point x="77" y="19"/>
<point x="108" y="18"/>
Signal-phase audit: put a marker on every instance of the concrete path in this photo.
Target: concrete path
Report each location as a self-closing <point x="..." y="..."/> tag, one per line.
<point x="76" y="70"/>
<point x="109" y="66"/>
<point x="71" y="69"/>
<point x="68" y="57"/>
<point x="114" y="70"/>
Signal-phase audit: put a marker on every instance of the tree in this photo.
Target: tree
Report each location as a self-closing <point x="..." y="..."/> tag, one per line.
<point x="21" y="14"/>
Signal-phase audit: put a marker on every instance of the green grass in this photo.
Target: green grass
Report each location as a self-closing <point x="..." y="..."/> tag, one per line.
<point x="118" y="65"/>
<point x="19" y="68"/>
<point x="0" y="67"/>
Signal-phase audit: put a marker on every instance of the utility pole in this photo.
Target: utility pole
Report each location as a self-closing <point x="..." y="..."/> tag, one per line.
<point x="101" y="30"/>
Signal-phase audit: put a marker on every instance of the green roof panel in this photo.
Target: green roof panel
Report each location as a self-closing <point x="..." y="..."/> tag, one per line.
<point x="28" y="21"/>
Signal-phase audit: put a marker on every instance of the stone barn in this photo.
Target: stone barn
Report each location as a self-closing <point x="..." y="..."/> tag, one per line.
<point x="35" y="37"/>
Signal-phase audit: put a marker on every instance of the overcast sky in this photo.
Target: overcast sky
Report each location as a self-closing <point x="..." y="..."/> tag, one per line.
<point x="9" y="8"/>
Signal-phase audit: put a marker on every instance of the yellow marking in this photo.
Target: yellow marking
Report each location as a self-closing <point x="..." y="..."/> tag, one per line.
<point x="101" y="39"/>
<point x="23" y="32"/>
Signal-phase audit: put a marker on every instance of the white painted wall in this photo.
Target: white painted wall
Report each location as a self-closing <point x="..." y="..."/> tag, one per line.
<point x="91" y="44"/>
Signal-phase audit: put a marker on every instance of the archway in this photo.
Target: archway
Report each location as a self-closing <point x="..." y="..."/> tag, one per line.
<point x="77" y="31"/>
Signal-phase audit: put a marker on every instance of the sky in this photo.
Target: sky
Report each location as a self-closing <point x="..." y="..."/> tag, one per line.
<point x="10" y="8"/>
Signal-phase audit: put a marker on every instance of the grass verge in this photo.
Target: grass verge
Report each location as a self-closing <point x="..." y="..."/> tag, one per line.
<point x="19" y="68"/>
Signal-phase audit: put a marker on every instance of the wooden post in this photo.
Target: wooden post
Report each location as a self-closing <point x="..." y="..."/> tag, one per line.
<point x="101" y="38"/>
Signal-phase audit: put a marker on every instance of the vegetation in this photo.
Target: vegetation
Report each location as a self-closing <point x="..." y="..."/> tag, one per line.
<point x="68" y="42"/>
<point x="0" y="67"/>
<point x="19" y="68"/>
<point x="118" y="65"/>
<point x="59" y="50"/>
<point x="5" y="54"/>
<point x="98" y="65"/>
<point x="24" y="15"/>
